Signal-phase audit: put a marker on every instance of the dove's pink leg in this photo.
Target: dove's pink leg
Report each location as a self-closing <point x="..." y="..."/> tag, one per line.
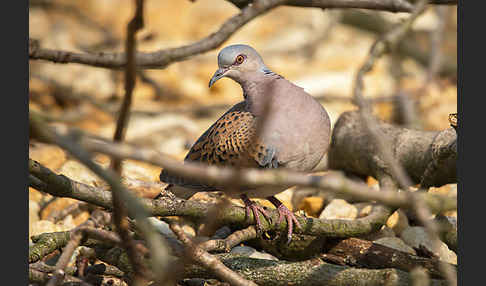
<point x="283" y="211"/>
<point x="255" y="208"/>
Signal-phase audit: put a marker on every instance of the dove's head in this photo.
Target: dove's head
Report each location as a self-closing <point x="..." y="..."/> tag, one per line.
<point x="238" y="62"/>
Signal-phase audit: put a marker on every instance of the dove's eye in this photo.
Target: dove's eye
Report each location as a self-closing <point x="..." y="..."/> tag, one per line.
<point x="239" y="59"/>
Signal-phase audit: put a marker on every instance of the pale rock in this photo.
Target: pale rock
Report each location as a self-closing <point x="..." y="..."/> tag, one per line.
<point x="286" y="197"/>
<point x="252" y="253"/>
<point x="80" y="173"/>
<point x="416" y="236"/>
<point x="194" y="87"/>
<point x="140" y="171"/>
<point x="189" y="230"/>
<point x="222" y="233"/>
<point x="33" y="215"/>
<point x="146" y="126"/>
<point x="327" y="83"/>
<point x="67" y="223"/>
<point x="452" y="220"/>
<point x="161" y="226"/>
<point x="51" y="156"/>
<point x="398" y="221"/>
<point x="364" y="209"/>
<point x="43" y="226"/>
<point x="395" y="243"/>
<point x="311" y="205"/>
<point x="339" y="209"/>
<point x="384" y="231"/>
<point x="172" y="146"/>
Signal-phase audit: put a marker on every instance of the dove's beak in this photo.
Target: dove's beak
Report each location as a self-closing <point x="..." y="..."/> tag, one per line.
<point x="217" y="75"/>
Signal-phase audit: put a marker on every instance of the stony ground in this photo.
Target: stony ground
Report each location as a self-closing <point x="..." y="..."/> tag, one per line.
<point x="171" y="120"/>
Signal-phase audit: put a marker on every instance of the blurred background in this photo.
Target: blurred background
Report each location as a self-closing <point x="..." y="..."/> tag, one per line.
<point x="319" y="50"/>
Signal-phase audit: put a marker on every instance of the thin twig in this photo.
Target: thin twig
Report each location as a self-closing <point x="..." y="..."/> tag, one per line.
<point x="63" y="261"/>
<point x="130" y="78"/>
<point x="119" y="210"/>
<point x="225" y="245"/>
<point x="200" y="256"/>
<point x="45" y="204"/>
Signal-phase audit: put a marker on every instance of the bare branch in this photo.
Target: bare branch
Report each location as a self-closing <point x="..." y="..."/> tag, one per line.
<point x="159" y="59"/>
<point x="384" y="5"/>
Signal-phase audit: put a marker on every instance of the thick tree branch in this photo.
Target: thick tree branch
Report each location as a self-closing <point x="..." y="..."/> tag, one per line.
<point x="313" y="272"/>
<point x="172" y="206"/>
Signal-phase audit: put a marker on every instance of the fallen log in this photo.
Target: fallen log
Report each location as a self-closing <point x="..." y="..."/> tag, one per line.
<point x="366" y="254"/>
<point x="428" y="157"/>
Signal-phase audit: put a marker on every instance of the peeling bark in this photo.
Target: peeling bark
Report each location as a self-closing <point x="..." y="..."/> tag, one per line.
<point x="362" y="253"/>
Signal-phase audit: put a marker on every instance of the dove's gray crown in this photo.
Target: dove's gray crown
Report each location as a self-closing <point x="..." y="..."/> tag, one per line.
<point x="226" y="56"/>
